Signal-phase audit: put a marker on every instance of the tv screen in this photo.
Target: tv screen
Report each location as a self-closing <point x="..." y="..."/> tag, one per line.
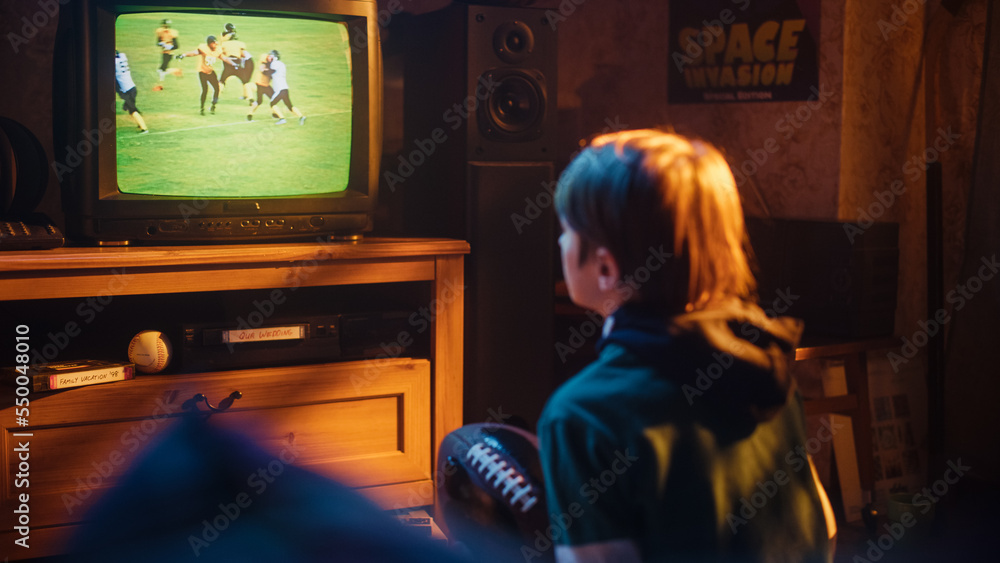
<point x="217" y="147"/>
<point x="236" y="121"/>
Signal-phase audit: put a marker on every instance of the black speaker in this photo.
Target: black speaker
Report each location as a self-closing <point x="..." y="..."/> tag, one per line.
<point x="479" y="129"/>
<point x="24" y="171"/>
<point x="485" y="77"/>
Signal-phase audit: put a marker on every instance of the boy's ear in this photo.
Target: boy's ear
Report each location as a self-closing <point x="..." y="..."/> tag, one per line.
<point x="608" y="272"/>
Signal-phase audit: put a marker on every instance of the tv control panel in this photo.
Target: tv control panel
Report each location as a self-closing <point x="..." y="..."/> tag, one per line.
<point x="230" y="229"/>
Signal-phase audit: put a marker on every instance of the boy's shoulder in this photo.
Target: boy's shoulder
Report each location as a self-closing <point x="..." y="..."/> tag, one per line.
<point x="617" y="381"/>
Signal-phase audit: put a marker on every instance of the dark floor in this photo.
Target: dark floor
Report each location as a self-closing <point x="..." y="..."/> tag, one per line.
<point x="963" y="531"/>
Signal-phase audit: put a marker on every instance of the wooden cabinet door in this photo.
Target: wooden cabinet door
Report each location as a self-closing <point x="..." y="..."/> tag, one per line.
<point x="365" y="424"/>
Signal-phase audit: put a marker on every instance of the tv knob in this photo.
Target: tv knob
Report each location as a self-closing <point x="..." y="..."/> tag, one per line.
<point x="316" y="221"/>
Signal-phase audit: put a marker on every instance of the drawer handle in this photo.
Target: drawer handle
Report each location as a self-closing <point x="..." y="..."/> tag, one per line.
<point x="223" y="405"/>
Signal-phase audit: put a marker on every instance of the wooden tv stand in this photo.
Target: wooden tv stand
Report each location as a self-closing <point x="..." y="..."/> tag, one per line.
<point x="373" y="424"/>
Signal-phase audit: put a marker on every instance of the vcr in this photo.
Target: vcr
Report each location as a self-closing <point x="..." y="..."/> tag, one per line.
<point x="302" y="340"/>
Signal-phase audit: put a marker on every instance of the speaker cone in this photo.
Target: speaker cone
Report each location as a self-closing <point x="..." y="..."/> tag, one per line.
<point x="515" y="107"/>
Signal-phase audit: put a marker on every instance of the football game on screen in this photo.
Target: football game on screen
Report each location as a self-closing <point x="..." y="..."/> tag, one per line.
<point x="211" y="105"/>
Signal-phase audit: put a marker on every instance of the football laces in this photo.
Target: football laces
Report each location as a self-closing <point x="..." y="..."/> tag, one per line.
<point x="505" y="477"/>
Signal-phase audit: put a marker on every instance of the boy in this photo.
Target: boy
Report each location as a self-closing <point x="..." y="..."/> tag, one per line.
<point x="652" y="463"/>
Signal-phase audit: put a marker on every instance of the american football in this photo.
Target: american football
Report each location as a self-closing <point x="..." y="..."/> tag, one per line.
<point x="491" y="494"/>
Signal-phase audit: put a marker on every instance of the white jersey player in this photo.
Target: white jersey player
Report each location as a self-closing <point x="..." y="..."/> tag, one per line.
<point x="125" y="87"/>
<point x="279" y="83"/>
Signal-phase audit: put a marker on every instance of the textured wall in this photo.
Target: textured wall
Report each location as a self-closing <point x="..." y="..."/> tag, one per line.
<point x="883" y="130"/>
<point x="613" y="73"/>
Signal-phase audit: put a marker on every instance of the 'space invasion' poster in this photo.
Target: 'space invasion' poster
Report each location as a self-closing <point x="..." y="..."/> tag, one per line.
<point x="743" y="50"/>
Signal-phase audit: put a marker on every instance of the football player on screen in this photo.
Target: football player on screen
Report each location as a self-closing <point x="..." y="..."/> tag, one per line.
<point x="236" y="50"/>
<point x="263" y="84"/>
<point x="125" y="87"/>
<point x="228" y="32"/>
<point x="166" y="39"/>
<point x="210" y="53"/>
<point x="279" y="83"/>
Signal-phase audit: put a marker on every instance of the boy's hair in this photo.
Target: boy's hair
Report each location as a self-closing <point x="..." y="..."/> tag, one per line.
<point x="644" y="194"/>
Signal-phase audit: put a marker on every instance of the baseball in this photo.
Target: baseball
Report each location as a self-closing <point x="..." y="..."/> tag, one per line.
<point x="150" y="351"/>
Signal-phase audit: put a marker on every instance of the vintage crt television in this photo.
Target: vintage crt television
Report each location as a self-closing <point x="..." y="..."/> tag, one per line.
<point x="218" y="176"/>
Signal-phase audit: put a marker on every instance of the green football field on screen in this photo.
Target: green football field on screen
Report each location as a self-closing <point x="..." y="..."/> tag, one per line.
<point x="223" y="154"/>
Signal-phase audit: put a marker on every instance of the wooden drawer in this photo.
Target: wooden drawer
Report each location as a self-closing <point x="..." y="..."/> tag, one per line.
<point x="366" y="424"/>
